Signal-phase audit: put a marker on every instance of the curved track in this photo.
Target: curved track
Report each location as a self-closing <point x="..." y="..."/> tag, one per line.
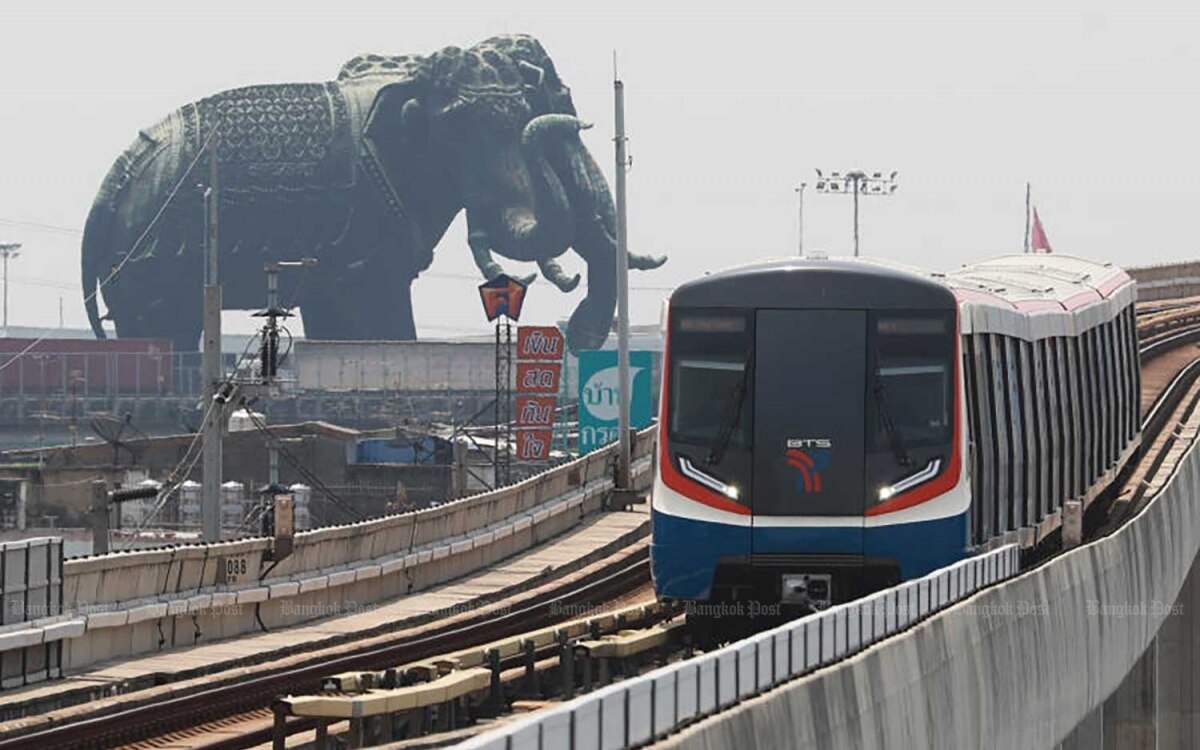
<point x="241" y="702"/>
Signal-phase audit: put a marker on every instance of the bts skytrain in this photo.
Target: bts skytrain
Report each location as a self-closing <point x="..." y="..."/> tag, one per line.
<point x="831" y="427"/>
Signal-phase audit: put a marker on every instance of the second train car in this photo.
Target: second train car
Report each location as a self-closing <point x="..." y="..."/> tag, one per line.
<point x="832" y="427"/>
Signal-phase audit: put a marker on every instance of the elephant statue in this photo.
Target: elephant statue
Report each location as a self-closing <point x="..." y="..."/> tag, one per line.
<point x="365" y="174"/>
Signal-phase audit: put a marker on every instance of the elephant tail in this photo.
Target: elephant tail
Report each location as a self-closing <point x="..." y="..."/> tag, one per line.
<point x="95" y="235"/>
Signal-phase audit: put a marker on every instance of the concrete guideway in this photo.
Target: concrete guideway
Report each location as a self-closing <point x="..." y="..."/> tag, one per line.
<point x="358" y="602"/>
<point x="1019" y="665"/>
<point x="128" y="603"/>
<point x="207" y="666"/>
<point x="636" y="711"/>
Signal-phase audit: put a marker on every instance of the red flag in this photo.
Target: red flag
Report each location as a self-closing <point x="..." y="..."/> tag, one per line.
<point x="1038" y="242"/>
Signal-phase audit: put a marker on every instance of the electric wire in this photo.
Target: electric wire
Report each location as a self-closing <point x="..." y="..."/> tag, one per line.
<point x="141" y="238"/>
<point x="304" y="472"/>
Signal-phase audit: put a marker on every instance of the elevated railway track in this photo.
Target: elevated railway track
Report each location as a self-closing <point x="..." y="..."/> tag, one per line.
<point x="233" y="710"/>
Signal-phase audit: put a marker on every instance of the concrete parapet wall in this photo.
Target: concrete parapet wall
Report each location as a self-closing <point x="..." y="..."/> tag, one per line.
<point x="129" y="603"/>
<point x="1018" y="665"/>
<point x="1167" y="281"/>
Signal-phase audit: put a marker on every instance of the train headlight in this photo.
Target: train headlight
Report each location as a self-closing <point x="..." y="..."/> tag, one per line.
<point x="708" y="480"/>
<point x="924" y="475"/>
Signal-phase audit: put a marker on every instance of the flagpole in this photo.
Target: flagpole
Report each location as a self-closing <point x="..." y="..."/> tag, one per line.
<point x="1026" y="217"/>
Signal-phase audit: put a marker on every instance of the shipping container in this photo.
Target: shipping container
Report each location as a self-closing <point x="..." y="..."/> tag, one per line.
<point x="87" y="367"/>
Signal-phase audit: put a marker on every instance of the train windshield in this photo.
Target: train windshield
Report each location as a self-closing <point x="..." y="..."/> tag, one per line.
<point x="711" y="391"/>
<point x="910" y="392"/>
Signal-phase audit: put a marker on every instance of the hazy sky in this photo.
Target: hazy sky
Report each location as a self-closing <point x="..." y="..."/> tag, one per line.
<point x="1094" y="102"/>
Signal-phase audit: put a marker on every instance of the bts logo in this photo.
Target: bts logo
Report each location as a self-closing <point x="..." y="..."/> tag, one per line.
<point x="533" y="445"/>
<point x="809" y="463"/>
<point x="538" y="377"/>
<point x="539" y="342"/>
<point x="535" y="411"/>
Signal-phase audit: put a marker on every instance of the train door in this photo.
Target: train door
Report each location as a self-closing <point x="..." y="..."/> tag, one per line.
<point x="810" y="381"/>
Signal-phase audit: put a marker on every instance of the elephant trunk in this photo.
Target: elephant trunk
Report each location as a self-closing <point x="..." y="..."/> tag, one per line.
<point x="595" y="241"/>
<point x="544" y="228"/>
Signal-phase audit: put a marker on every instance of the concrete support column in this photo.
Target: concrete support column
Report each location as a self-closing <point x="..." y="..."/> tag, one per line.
<point x="1177" y="678"/>
<point x="1128" y="717"/>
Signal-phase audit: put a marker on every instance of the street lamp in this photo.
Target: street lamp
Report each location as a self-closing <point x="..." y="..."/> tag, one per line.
<point x="800" y="192"/>
<point x="9" y="250"/>
<point x="857" y="182"/>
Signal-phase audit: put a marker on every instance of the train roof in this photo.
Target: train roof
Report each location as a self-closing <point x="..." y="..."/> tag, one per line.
<point x="1030" y="296"/>
<point x="821" y="283"/>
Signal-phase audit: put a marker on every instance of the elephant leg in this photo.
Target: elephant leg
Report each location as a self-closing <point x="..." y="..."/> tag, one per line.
<point x="162" y="320"/>
<point x="398" y="323"/>
<point x="555" y="275"/>
<point x="373" y="304"/>
<point x="325" y="318"/>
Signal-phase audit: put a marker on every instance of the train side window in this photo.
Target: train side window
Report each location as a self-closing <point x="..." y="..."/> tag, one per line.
<point x="1135" y="371"/>
<point x="1112" y="414"/>
<point x="1054" y="431"/>
<point x="1071" y="413"/>
<point x="984" y="436"/>
<point x="1036" y="414"/>
<point x="1092" y="373"/>
<point x="971" y="383"/>
<point x="999" y="419"/>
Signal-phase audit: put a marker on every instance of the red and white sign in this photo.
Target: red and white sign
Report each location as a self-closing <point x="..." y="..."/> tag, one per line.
<point x="540" y="343"/>
<point x="533" y="445"/>
<point x="536" y="411"/>
<point x="538" y="377"/>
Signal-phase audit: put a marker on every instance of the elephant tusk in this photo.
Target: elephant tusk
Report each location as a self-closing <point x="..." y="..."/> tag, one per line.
<point x="556" y="276"/>
<point x="542" y="124"/>
<point x="639" y="262"/>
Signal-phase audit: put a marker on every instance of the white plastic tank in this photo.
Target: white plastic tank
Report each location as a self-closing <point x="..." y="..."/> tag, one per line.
<point x="242" y="420"/>
<point x="189" y="505"/>
<point x="233" y="507"/>
<point x="301" y="498"/>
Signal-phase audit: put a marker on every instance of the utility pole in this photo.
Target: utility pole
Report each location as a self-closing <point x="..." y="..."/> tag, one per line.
<point x="857" y="182"/>
<point x="624" y="480"/>
<point x="214" y="397"/>
<point x="270" y="345"/>
<point x="800" y="192"/>
<point x="9" y="250"/>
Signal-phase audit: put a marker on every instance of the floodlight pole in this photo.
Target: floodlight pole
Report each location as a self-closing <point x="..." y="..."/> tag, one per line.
<point x="11" y="249"/>
<point x="624" y="479"/>
<point x="857" y="177"/>
<point x="856" y="182"/>
<point x="800" y="210"/>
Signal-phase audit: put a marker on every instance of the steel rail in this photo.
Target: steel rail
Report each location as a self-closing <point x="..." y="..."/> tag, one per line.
<point x="155" y="718"/>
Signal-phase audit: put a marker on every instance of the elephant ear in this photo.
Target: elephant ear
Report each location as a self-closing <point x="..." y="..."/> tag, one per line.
<point x="396" y="118"/>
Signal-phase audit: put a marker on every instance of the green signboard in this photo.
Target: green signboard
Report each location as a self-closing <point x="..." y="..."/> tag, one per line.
<point x="598" y="410"/>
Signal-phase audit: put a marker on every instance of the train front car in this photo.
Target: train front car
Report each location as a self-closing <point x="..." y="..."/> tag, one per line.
<point x="811" y="446"/>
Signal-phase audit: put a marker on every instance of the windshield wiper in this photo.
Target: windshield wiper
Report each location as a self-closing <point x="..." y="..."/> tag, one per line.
<point x="895" y="439"/>
<point x="733" y="415"/>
